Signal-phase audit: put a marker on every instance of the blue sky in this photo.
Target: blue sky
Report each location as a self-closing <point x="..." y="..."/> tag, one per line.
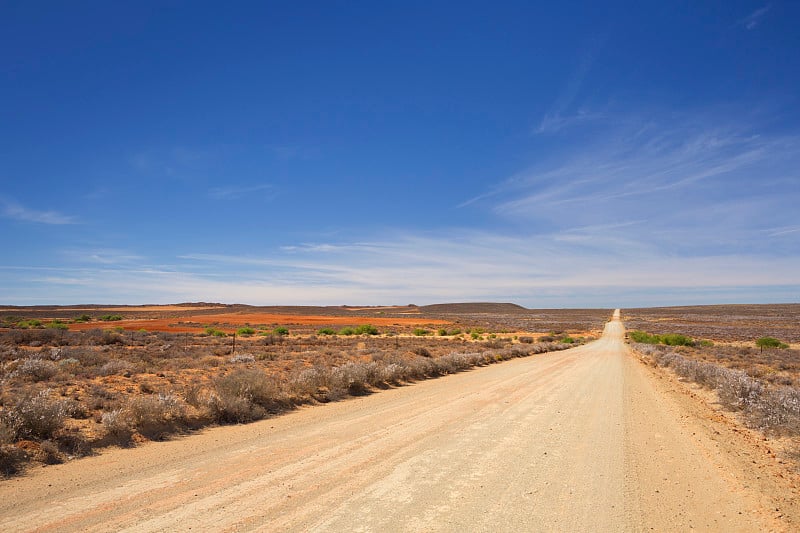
<point x="573" y="154"/>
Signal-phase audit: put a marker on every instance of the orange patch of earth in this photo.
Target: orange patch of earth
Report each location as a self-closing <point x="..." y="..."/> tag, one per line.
<point x="378" y="308"/>
<point x="149" y="308"/>
<point x="241" y="319"/>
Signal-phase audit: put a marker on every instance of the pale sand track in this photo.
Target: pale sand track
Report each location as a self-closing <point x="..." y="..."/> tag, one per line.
<point x="582" y="440"/>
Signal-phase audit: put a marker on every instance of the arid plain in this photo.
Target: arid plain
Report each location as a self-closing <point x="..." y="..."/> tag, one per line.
<point x="577" y="428"/>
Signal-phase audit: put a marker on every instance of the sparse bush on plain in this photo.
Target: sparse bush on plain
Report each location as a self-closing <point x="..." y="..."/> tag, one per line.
<point x="770" y="342"/>
<point x="36" y="369"/>
<point x="247" y="388"/>
<point x="109" y="337"/>
<point x="241" y="396"/>
<point x="670" y="339"/>
<point x="242" y="358"/>
<point x="156" y="415"/>
<point x="36" y="416"/>
<point x="117" y="424"/>
<point x="421" y="351"/>
<point x="245" y="331"/>
<point x="12" y="459"/>
<point x="420" y="332"/>
<point x="281" y="330"/>
<point x="366" y="329"/>
<point x="49" y="454"/>
<point x="215" y="332"/>
<point x="111" y="318"/>
<point x="116" y="367"/>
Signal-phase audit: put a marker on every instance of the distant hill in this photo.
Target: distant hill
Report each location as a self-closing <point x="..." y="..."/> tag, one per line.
<point x="473" y="307"/>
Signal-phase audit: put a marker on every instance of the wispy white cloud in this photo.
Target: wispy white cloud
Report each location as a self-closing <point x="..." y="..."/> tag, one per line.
<point x="103" y="256"/>
<point x="453" y="265"/>
<point x="233" y="192"/>
<point x="708" y="180"/>
<point x="754" y="19"/>
<point x="16" y="211"/>
<point x="778" y="232"/>
<point x="554" y="122"/>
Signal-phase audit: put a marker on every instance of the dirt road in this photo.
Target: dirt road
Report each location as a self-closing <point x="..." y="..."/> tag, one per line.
<point x="582" y="440"/>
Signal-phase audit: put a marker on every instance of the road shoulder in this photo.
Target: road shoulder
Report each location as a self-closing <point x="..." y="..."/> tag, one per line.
<point x="751" y="468"/>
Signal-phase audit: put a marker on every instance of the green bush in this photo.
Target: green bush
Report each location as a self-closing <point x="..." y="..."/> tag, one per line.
<point x="770" y="342"/>
<point x="347" y="331"/>
<point x="32" y="323"/>
<point x="642" y="337"/>
<point x="419" y="332"/>
<point x="245" y="331"/>
<point x="280" y="330"/>
<point x="57" y="324"/>
<point x="674" y="339"/>
<point x="82" y="318"/>
<point x="110" y="318"/>
<point x="215" y="332"/>
<point x="366" y="329"/>
<point x="442" y="332"/>
<point x="326" y="331"/>
<point x="670" y="339"/>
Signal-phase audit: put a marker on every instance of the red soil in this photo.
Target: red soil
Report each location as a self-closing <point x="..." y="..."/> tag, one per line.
<point x="230" y="322"/>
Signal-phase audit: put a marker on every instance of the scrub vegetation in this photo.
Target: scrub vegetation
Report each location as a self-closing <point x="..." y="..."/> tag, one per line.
<point x="66" y="393"/>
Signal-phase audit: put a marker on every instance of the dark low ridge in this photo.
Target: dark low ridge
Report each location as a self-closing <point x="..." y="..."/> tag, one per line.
<point x="473" y="307"/>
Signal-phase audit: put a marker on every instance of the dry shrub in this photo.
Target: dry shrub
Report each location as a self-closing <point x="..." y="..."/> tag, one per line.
<point x="769" y="409"/>
<point x="36" y="369"/>
<point x="421" y="351"/>
<point x="36" y="416"/>
<point x="352" y="378"/>
<point x="118" y="426"/>
<point x="242" y="358"/>
<point x="73" y="443"/>
<point x="48" y="453"/>
<point x="309" y="381"/>
<point x="11" y="459"/>
<point x="116" y="367"/>
<point x="152" y="416"/>
<point x="242" y="396"/>
<point x="158" y="415"/>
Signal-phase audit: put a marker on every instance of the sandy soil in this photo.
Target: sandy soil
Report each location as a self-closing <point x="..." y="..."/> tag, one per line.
<point x="588" y="439"/>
